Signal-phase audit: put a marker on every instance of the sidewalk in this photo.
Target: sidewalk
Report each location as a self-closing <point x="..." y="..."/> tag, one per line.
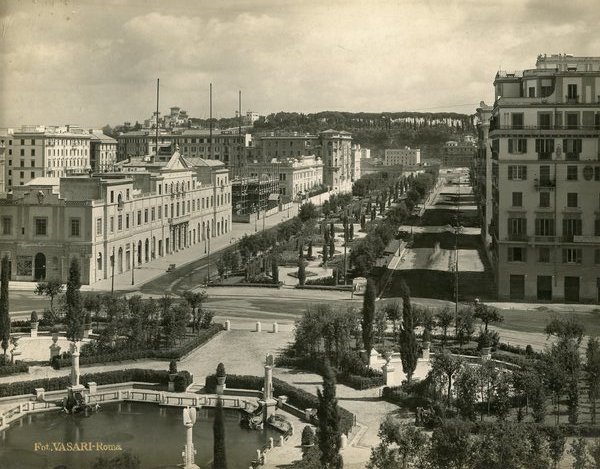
<point x="157" y="267"/>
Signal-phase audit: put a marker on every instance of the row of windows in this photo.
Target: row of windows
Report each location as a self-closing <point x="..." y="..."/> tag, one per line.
<point x="41" y="226"/>
<point x="572" y="199"/>
<point x="176" y="209"/>
<point x="67" y="142"/>
<point x="519" y="173"/>
<point x="544" y="255"/>
<point x="546" y="227"/>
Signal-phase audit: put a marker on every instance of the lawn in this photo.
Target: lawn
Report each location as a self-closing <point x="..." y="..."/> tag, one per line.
<point x="535" y="320"/>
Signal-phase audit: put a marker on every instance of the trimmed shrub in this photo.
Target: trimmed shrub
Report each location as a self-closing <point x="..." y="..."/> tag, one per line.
<point x="182" y="381"/>
<point x="172" y="367"/>
<point x="108" y="377"/>
<point x="11" y="369"/>
<point x="308" y="436"/>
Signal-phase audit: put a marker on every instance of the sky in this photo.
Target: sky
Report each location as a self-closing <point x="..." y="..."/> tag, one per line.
<point x="95" y="62"/>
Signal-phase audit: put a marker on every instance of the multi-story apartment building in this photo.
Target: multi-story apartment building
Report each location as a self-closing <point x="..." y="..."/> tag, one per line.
<point x="147" y="211"/>
<point x="481" y="168"/>
<point x="458" y="154"/>
<point x="228" y="147"/>
<point x="402" y="156"/>
<point x="46" y="151"/>
<point x="103" y="152"/>
<point x="3" y="143"/>
<point x="296" y="176"/>
<point x="332" y="146"/>
<point x="544" y="134"/>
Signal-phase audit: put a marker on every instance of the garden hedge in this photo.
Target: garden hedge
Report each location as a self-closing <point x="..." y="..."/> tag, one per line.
<point x="108" y="377"/>
<point x="296" y="397"/>
<point x="10" y="369"/>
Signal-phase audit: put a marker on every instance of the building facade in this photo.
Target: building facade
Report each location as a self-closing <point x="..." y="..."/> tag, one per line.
<point x="103" y="152"/>
<point x="40" y="151"/>
<point x="544" y="137"/>
<point x="402" y="156"/>
<point x="227" y="147"/>
<point x="132" y="217"/>
<point x="458" y="154"/>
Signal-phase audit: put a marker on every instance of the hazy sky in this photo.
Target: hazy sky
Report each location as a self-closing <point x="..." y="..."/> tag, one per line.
<point x="96" y="62"/>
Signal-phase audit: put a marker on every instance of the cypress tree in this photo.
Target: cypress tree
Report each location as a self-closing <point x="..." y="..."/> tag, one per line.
<point x="4" y="317"/>
<point x="74" y="314"/>
<point x="309" y="253"/>
<point x="301" y="271"/>
<point x="332" y="230"/>
<point x="219" y="456"/>
<point x="409" y="350"/>
<point x="325" y="254"/>
<point x="331" y="247"/>
<point x="329" y="422"/>
<point x="368" y="314"/>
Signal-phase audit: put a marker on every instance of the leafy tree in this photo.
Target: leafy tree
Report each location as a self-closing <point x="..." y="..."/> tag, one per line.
<point x="487" y="314"/>
<point x="175" y="321"/>
<point x="331" y="246"/>
<point x="219" y="455"/>
<point x="450" y="445"/>
<point x="307" y="212"/>
<point x="329" y="422"/>
<point x="579" y="453"/>
<point x="409" y="350"/>
<point x="568" y="328"/>
<point x="402" y="446"/>
<point x="4" y="316"/>
<point x="93" y="303"/>
<point x="444" y="321"/>
<point x="51" y="289"/>
<point x="502" y="400"/>
<point x="368" y="315"/>
<point x="301" y="271"/>
<point x="446" y="365"/>
<point x="595" y="453"/>
<point x="592" y="373"/>
<point x="556" y="444"/>
<point x="195" y="300"/>
<point x="380" y="325"/>
<point x="466" y="392"/>
<point x="74" y="317"/>
<point x="465" y="326"/>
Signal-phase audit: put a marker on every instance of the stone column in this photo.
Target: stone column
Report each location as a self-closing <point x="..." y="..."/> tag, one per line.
<point x="75" y="374"/>
<point x="189" y="453"/>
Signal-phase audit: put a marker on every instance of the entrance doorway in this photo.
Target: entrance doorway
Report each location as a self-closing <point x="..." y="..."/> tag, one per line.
<point x="39" y="272"/>
<point x="544" y="287"/>
<point x="572" y="289"/>
<point x="517" y="287"/>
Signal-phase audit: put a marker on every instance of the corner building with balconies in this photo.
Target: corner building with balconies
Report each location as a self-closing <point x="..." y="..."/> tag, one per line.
<point x="544" y="135"/>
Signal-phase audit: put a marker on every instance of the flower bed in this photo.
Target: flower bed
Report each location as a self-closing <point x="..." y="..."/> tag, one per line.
<point x="174" y="353"/>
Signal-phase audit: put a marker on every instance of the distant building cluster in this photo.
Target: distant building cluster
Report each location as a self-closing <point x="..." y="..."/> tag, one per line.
<point x="459" y="154"/>
<point x="537" y="175"/>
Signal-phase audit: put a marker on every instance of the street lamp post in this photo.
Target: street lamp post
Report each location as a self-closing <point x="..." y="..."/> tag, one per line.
<point x="112" y="263"/>
<point x="208" y="256"/>
<point x="133" y="265"/>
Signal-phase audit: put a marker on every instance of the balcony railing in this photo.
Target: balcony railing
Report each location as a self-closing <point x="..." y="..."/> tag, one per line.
<point x="494" y="126"/>
<point x="545" y="239"/>
<point x="517" y="237"/>
<point x="572" y="99"/>
<point x="542" y="155"/>
<point x="544" y="184"/>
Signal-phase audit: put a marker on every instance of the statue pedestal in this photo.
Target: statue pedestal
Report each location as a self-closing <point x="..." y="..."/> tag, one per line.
<point x="269" y="406"/>
<point x="54" y="351"/>
<point x="389" y="377"/>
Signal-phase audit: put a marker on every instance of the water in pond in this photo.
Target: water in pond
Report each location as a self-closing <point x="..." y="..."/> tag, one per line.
<point x="155" y="434"/>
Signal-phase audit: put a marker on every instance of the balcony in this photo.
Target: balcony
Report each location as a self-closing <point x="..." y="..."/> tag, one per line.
<point x="544" y="127"/>
<point x="544" y="156"/>
<point x="572" y="99"/>
<point x="517" y="237"/>
<point x="547" y="184"/>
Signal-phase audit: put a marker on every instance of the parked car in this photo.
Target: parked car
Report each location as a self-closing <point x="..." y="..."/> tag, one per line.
<point x="171" y="267"/>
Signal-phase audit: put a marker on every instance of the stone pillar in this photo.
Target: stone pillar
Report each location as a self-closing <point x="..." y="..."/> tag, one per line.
<point x="343" y="441"/>
<point x="258" y="327"/>
<point x="75" y="374"/>
<point x="93" y="387"/>
<point x="275" y="328"/>
<point x="388" y="375"/>
<point x="189" y="453"/>
<point x="34" y="329"/>
<point x="227" y="325"/>
<point x="426" y="350"/>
